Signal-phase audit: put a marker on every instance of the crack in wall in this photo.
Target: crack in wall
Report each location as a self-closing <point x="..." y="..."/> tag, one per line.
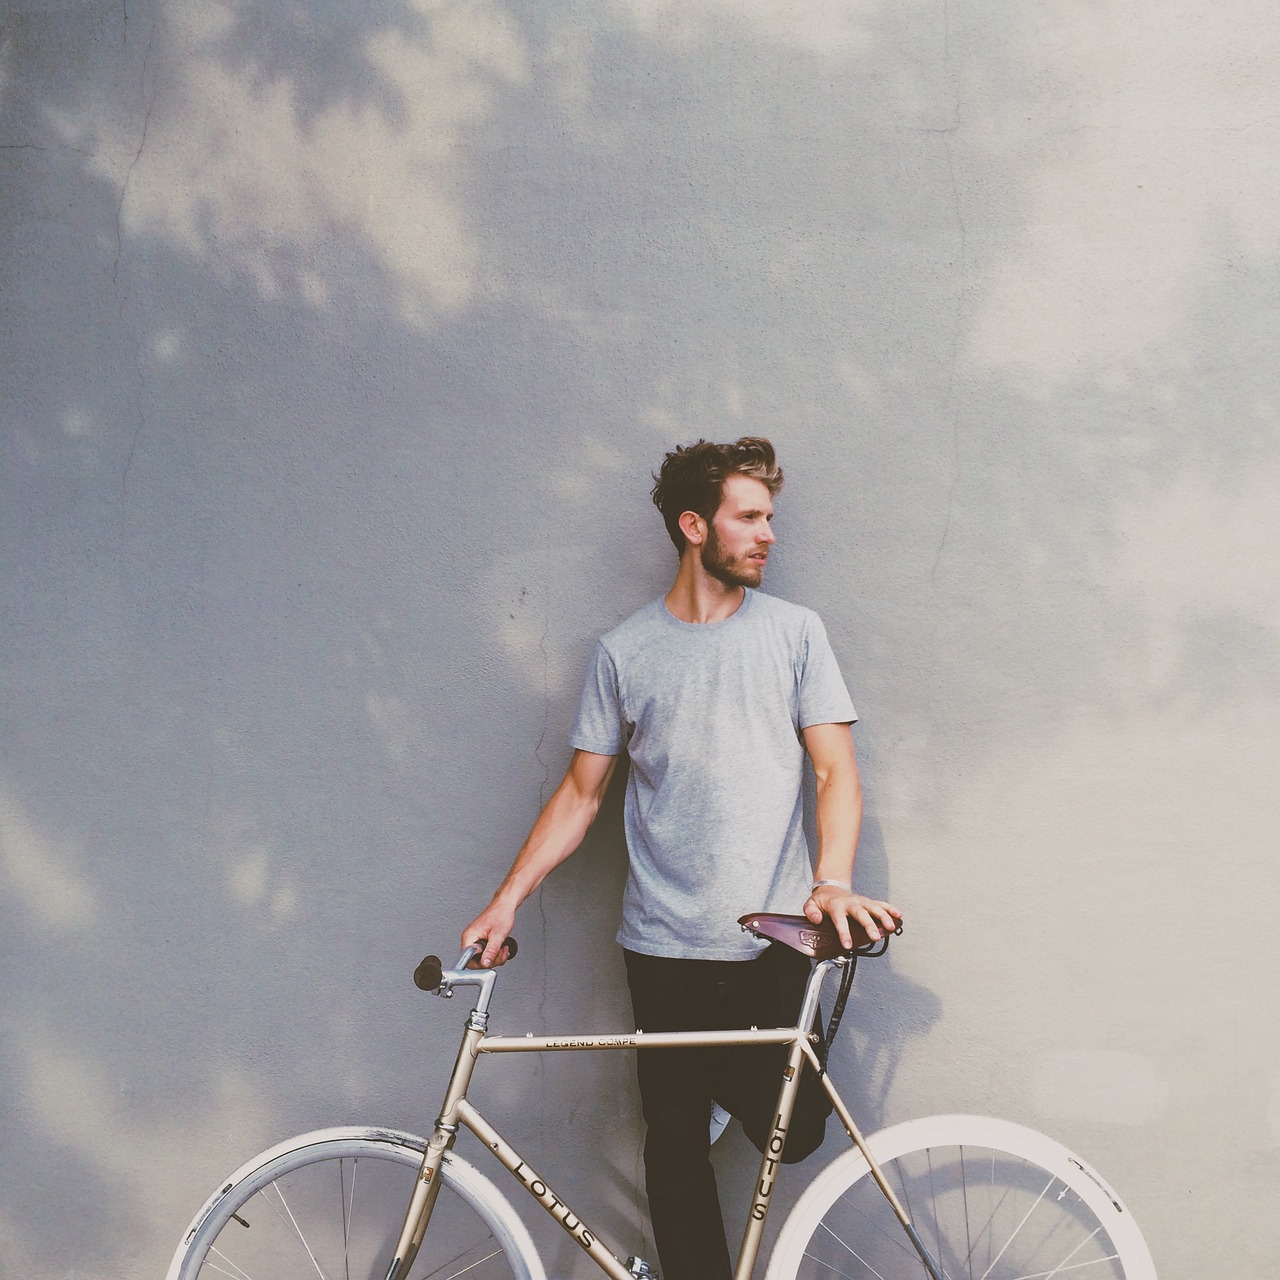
<point x="149" y="97"/>
<point x="543" y="987"/>
<point x="142" y="142"/>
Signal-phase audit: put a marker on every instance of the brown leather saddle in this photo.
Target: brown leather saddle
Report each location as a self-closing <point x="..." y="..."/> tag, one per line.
<point x="821" y="941"/>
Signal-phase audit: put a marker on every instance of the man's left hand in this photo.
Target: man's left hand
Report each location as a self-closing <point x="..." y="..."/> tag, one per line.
<point x="841" y="906"/>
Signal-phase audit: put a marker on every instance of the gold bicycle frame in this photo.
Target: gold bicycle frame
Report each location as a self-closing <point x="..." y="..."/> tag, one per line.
<point x="457" y="1111"/>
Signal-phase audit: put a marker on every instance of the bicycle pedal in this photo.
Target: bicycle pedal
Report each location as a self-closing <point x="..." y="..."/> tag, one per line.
<point x="639" y="1268"/>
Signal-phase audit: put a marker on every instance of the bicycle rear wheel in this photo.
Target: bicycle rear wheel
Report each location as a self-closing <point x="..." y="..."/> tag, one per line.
<point x="990" y="1200"/>
<point x="329" y="1206"/>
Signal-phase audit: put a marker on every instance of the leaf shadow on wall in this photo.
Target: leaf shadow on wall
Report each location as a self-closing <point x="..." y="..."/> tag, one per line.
<point x="306" y="575"/>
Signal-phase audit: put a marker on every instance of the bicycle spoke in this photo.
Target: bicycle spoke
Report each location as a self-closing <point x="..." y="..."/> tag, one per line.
<point x="1019" y="1227"/>
<point x="844" y="1244"/>
<point x="834" y="1270"/>
<point x="896" y="1235"/>
<point x="453" y="1275"/>
<point x="1064" y="1267"/>
<point x="1066" y="1264"/>
<point x="1075" y="1266"/>
<point x="238" y="1274"/>
<point x="892" y="1233"/>
<point x="988" y="1230"/>
<point x="297" y="1230"/>
<point x="933" y="1204"/>
<point x="348" y="1211"/>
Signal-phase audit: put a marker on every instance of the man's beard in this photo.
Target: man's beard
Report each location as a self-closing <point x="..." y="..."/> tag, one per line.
<point x="724" y="568"/>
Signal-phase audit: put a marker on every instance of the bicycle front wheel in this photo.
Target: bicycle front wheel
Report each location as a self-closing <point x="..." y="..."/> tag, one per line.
<point x="989" y="1199"/>
<point x="329" y="1206"/>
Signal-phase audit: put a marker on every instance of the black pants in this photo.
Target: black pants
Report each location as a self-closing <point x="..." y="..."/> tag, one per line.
<point x="677" y="1087"/>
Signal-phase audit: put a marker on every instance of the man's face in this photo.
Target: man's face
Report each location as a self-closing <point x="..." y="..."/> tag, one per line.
<point x="739" y="535"/>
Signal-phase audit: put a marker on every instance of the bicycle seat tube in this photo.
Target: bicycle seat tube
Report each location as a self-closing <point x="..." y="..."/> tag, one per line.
<point x="775" y="1142"/>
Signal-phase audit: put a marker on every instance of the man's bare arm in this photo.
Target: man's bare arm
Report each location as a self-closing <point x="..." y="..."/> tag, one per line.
<point x="559" y="830"/>
<point x="839" y="796"/>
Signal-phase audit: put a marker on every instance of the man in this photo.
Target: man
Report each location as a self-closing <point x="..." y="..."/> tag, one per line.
<point x="716" y="692"/>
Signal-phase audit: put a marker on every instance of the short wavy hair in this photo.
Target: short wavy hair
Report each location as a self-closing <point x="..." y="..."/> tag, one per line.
<point x="692" y="478"/>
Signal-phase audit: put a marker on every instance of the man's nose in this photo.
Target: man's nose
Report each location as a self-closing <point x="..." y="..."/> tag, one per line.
<point x="766" y="534"/>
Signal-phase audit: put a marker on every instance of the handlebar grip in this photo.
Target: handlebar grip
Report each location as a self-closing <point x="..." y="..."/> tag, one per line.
<point x="509" y="942"/>
<point x="426" y="977"/>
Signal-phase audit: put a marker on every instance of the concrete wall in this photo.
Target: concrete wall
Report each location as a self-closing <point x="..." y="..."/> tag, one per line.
<point x="339" y="341"/>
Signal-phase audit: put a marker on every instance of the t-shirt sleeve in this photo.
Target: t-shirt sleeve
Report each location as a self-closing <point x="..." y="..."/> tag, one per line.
<point x="823" y="696"/>
<point x="599" y="726"/>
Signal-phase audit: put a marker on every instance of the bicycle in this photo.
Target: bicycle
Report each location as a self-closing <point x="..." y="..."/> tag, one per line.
<point x="943" y="1197"/>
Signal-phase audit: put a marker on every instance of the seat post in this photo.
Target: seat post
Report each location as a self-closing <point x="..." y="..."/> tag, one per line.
<point x="813" y="990"/>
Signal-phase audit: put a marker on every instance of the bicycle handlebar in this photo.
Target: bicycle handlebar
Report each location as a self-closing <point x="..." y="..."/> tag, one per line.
<point x="430" y="972"/>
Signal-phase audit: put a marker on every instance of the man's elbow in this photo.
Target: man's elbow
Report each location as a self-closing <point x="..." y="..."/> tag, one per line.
<point x="838" y="775"/>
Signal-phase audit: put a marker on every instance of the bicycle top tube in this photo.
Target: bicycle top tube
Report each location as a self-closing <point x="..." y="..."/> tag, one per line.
<point x="485" y="979"/>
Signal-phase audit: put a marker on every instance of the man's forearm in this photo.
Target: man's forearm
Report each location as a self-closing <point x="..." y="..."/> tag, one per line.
<point x="839" y="799"/>
<point x="558" y="831"/>
<point x="835" y="769"/>
<point x="839" y="821"/>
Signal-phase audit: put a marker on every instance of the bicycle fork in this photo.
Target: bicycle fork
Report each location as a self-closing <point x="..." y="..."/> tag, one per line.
<point x="426" y="1188"/>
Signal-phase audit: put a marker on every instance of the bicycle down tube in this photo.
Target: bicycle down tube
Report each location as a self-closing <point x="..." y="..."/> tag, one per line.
<point x="458" y="1111"/>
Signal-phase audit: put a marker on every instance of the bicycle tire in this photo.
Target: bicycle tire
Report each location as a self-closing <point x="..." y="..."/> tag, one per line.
<point x="991" y="1200"/>
<point x="329" y="1205"/>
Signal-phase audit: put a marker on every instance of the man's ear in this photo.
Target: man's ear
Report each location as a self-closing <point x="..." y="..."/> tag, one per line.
<point x="694" y="527"/>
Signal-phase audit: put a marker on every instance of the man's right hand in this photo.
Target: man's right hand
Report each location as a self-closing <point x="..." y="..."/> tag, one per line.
<point x="492" y="927"/>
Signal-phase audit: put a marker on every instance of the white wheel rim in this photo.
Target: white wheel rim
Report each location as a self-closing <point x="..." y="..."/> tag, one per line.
<point x="471" y="1185"/>
<point x="958" y="1131"/>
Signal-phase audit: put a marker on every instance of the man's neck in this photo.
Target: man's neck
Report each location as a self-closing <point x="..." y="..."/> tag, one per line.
<point x="696" y="596"/>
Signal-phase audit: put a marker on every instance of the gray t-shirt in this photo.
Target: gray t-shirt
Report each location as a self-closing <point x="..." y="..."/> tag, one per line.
<point x="711" y="714"/>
